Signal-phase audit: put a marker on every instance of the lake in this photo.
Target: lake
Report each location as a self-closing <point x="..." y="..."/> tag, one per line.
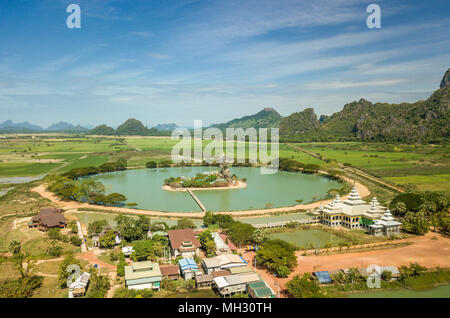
<point x="144" y="186"/>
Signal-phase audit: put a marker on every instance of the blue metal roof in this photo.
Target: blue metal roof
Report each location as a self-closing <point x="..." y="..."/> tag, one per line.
<point x="187" y="263"/>
<point x="323" y="277"/>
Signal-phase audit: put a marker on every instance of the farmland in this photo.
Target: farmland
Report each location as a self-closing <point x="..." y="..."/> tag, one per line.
<point x="415" y="167"/>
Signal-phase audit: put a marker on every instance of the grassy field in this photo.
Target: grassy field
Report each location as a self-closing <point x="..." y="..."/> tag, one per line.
<point x="27" y="156"/>
<point x="416" y="167"/>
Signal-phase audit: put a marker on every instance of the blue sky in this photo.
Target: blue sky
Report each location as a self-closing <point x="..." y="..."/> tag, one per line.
<point x="176" y="61"/>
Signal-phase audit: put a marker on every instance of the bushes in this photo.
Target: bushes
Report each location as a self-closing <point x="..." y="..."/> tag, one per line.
<point x="20" y="288"/>
<point x="303" y="287"/>
<point x="151" y="164"/>
<point x="54" y="250"/>
<point x="124" y="292"/>
<point x="121" y="266"/>
<point x="68" y="187"/>
<point x="55" y="234"/>
<point x="185" y="223"/>
<point x="278" y="256"/>
<point x="98" y="286"/>
<point x="75" y="240"/>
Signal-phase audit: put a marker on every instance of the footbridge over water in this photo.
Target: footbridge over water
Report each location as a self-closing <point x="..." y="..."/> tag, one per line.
<point x="197" y="200"/>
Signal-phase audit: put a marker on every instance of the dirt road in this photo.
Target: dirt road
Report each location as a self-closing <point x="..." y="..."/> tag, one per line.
<point x="425" y="250"/>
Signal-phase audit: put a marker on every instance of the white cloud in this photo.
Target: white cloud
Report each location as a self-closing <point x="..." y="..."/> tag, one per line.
<point x="344" y="84"/>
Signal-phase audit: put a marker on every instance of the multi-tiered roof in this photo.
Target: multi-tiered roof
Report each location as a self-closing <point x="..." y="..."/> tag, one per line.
<point x="353" y="206"/>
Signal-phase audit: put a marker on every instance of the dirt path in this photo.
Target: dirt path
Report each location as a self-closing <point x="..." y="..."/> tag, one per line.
<point x="424" y="250"/>
<point x="67" y="205"/>
<point x="93" y="259"/>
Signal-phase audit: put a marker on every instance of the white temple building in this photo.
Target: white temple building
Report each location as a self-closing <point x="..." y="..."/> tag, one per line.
<point x="355" y="213"/>
<point x="387" y="226"/>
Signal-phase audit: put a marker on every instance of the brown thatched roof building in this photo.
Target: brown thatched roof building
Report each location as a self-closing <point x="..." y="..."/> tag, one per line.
<point x="48" y="218"/>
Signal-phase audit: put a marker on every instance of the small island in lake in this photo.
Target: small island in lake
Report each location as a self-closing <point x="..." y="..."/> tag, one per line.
<point x="214" y="180"/>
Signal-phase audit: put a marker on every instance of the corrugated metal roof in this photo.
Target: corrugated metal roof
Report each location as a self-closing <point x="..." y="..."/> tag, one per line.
<point x="323" y="277"/>
<point x="240" y="269"/>
<point x="142" y="270"/>
<point x="187" y="263"/>
<point x="221" y="282"/>
<point x="262" y="292"/>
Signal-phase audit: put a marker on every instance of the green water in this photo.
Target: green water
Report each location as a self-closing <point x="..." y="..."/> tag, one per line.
<point x="276" y="218"/>
<point x="437" y="292"/>
<point x="306" y="238"/>
<point x="144" y="186"/>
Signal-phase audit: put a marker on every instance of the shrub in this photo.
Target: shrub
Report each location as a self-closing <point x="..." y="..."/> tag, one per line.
<point x="54" y="250"/>
<point x="75" y="240"/>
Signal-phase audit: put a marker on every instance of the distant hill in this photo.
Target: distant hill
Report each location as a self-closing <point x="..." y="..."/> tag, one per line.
<point x="301" y="122"/>
<point x="8" y="124"/>
<point x="132" y="127"/>
<point x="63" y="126"/>
<point x="423" y="121"/>
<point x="26" y="127"/>
<point x="266" y="118"/>
<point x="102" y="130"/>
<point x="166" y="127"/>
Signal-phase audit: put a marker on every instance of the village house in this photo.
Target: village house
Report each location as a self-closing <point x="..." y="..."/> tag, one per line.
<point x="240" y="270"/>
<point x="227" y="241"/>
<point x="203" y="280"/>
<point x="224" y="272"/>
<point x="79" y="286"/>
<point x="354" y="213"/>
<point x="183" y="243"/>
<point x="171" y="272"/>
<point x="48" y="218"/>
<point x="223" y="244"/>
<point x="233" y="284"/>
<point x="143" y="275"/>
<point x="188" y="268"/>
<point x="223" y="261"/>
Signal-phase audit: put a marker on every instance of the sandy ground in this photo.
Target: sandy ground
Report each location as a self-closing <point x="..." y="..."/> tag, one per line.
<point x="363" y="191"/>
<point x="424" y="250"/>
<point x="93" y="259"/>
